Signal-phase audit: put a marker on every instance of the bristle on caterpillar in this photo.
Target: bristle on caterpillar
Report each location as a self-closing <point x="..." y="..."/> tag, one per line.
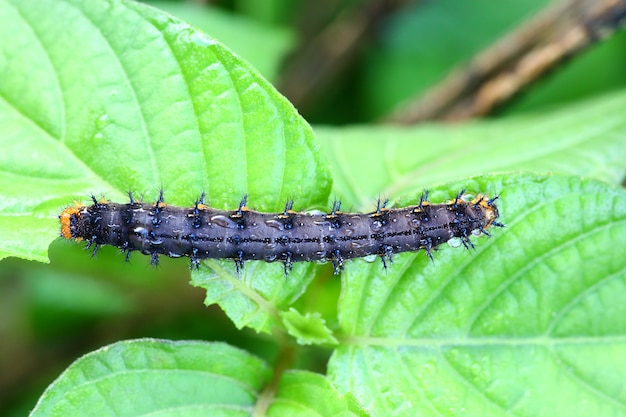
<point x="201" y="232"/>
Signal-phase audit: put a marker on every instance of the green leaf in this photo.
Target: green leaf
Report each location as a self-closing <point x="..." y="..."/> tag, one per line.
<point x="308" y="329"/>
<point x="255" y="297"/>
<point x="270" y="46"/>
<point x="102" y="97"/>
<point x="586" y="139"/>
<point x="112" y="96"/>
<point x="157" y="377"/>
<point x="530" y="323"/>
<point x="307" y="394"/>
<point x="165" y="378"/>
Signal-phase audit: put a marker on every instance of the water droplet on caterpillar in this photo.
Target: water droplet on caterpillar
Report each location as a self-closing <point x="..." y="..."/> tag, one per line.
<point x="377" y="225"/>
<point x="348" y="232"/>
<point x="141" y="231"/>
<point x="321" y="255"/>
<point x="324" y="223"/>
<point x="223" y="221"/>
<point x="276" y="224"/>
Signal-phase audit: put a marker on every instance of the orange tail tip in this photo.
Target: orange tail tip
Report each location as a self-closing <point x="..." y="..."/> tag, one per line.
<point x="66" y="217"/>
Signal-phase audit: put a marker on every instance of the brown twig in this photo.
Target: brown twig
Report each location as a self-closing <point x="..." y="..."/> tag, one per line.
<point x="315" y="65"/>
<point x="503" y="70"/>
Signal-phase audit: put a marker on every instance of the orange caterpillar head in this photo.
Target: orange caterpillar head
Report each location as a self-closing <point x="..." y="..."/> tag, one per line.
<point x="68" y="217"/>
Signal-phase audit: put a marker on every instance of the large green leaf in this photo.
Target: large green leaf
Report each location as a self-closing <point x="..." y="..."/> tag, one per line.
<point x="532" y="322"/>
<point x="109" y="96"/>
<point x="157" y="377"/>
<point x="163" y="378"/>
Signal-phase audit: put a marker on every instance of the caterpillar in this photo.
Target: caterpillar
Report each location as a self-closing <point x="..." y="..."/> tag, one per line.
<point x="201" y="232"/>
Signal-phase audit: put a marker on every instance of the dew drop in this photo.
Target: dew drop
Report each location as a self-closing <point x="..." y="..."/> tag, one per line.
<point x="201" y="39"/>
<point x="223" y="221"/>
<point x="102" y="121"/>
<point x="370" y="258"/>
<point x="141" y="231"/>
<point x="323" y="223"/>
<point x="376" y="226"/>
<point x="276" y="224"/>
<point x="455" y="242"/>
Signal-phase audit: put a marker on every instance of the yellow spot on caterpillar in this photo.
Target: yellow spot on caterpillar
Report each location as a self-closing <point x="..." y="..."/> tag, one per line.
<point x="491" y="212"/>
<point x="287" y="214"/>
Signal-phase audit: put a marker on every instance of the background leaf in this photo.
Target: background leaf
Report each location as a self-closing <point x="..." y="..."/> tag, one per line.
<point x="450" y="34"/>
<point x="585" y="139"/>
<point x="529" y="323"/>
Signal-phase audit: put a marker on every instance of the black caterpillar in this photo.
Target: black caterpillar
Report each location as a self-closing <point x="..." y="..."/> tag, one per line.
<point x="202" y="232"/>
